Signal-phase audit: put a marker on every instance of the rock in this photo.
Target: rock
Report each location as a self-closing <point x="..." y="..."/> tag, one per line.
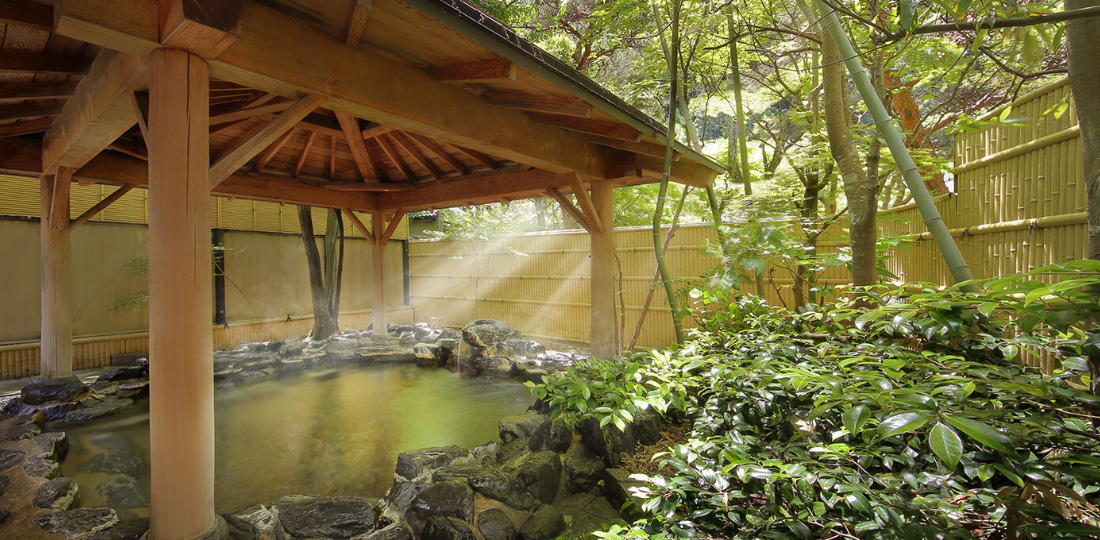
<point x="111" y="442"/>
<point x="124" y="492"/>
<point x="310" y="516"/>
<point x="133" y="390"/>
<point x="261" y="518"/>
<point x="495" y="525"/>
<point x="54" y="445"/>
<point x="408" y="339"/>
<point x="102" y="388"/>
<point x="114" y="463"/>
<point x="325" y="375"/>
<point x="128" y="529"/>
<point x="539" y="473"/>
<point x="485" y="333"/>
<point x="429" y="355"/>
<point x="647" y="427"/>
<point x="552" y="435"/>
<point x="452" y="498"/>
<point x="582" y="470"/>
<point x="521" y="426"/>
<point x="391" y="356"/>
<point x="41" y="468"/>
<point x="413" y="463"/>
<point x="240" y="529"/>
<point x="398" y="499"/>
<point x="394" y="531"/>
<point x="41" y="391"/>
<point x="617" y="485"/>
<point x="587" y="512"/>
<point x="292" y="349"/>
<point x="443" y="528"/>
<point x="500" y="367"/>
<point x="607" y="442"/>
<point x="491" y="482"/>
<point x="129" y="359"/>
<point x="511" y="450"/>
<point x="98" y="410"/>
<point x="4" y="483"/>
<point x="77" y="524"/>
<point x="21" y="431"/>
<point x="546" y="523"/>
<point x="534" y="375"/>
<point x="5" y="515"/>
<point x="57" y="494"/>
<point x="421" y="332"/>
<point x="123" y="373"/>
<point x="399" y="329"/>
<point x="8" y="458"/>
<point x="57" y="411"/>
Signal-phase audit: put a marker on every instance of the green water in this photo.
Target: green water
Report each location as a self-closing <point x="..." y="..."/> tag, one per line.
<point x="333" y="437"/>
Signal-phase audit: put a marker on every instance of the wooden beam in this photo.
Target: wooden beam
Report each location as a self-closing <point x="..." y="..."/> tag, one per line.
<point x="585" y="202"/>
<point x="57" y="325"/>
<point x="359" y="225"/>
<point x="28" y="62"/>
<point x="413" y="150"/>
<point x="360" y="10"/>
<point x="684" y="172"/>
<point x="603" y="325"/>
<point x="493" y="69"/>
<point x="375" y="131"/>
<point x="474" y="188"/>
<point x="58" y="216"/>
<point x="568" y="207"/>
<point x="484" y="159"/>
<point x="279" y="54"/>
<point x="15" y="111"/>
<point x="26" y="13"/>
<point x="241" y="114"/>
<point x="140" y="103"/>
<point x="394" y="222"/>
<point x="441" y="153"/>
<point x="377" y="187"/>
<point x="101" y="205"/>
<point x="36" y="90"/>
<point x="588" y="125"/>
<point x="98" y="113"/>
<point x="569" y="106"/>
<point x="202" y="27"/>
<point x="305" y="153"/>
<point x="265" y="157"/>
<point x="332" y="157"/>
<point x="26" y="127"/>
<point x="378" y="281"/>
<point x="358" y="146"/>
<point x="638" y="147"/>
<point x="264" y="137"/>
<point x="395" y="156"/>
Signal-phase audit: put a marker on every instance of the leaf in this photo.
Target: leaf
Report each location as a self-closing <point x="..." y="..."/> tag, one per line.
<point x="981" y="432"/>
<point x="907" y="10"/>
<point x="946" y="444"/>
<point x="860" y="503"/>
<point x="855" y="417"/>
<point x="902" y="423"/>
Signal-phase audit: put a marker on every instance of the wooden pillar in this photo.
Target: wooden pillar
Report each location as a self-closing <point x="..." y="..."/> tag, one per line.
<point x="57" y="317"/>
<point x="378" y="278"/>
<point x="604" y="323"/>
<point x="181" y="389"/>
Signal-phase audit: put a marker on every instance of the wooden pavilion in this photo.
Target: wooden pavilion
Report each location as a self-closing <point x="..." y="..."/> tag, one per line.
<point x="380" y="107"/>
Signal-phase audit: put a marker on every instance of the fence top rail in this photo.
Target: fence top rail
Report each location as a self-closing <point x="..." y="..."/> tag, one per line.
<point x="1028" y="97"/>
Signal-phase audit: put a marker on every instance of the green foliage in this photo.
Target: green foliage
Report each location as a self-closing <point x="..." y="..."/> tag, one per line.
<point x="137" y="301"/>
<point x="908" y="420"/>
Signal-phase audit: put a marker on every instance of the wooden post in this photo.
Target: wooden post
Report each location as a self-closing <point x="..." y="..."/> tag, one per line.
<point x="57" y="317"/>
<point x="181" y="388"/>
<point x="378" y="281"/>
<point x="604" y="337"/>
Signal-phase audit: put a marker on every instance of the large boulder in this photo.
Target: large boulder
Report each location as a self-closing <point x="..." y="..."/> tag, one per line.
<point x="122" y="373"/>
<point x="77" y="524"/>
<point x="521" y="426"/>
<point x="608" y="442"/>
<point x="582" y="470"/>
<point x="310" y="516"/>
<point x="647" y="427"/>
<point x="57" y="494"/>
<point x="44" y="390"/>
<point x="444" y="528"/>
<point x="539" y="473"/>
<point x="54" y="445"/>
<point x="413" y="463"/>
<point x="486" y="333"/>
<point x="495" y="525"/>
<point x="395" y="531"/>
<point x="41" y="468"/>
<point x="491" y="482"/>
<point x="546" y="523"/>
<point x="552" y="435"/>
<point x="452" y="498"/>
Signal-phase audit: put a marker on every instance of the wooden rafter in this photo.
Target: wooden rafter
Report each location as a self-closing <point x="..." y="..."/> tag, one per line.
<point x="441" y="153"/>
<point x="585" y="202"/>
<point x="102" y="205"/>
<point x="395" y="156"/>
<point x="568" y="207"/>
<point x="358" y="146"/>
<point x="305" y="153"/>
<point x="588" y="125"/>
<point x="15" y="111"/>
<point x="98" y="113"/>
<point x="639" y="147"/>
<point x="480" y="157"/>
<point x="494" y="69"/>
<point x="36" y="90"/>
<point x="359" y="225"/>
<point x="475" y="188"/>
<point x="236" y="142"/>
<point x="357" y="19"/>
<point x="140" y="104"/>
<point x="253" y="112"/>
<point x="28" y="62"/>
<point x="262" y="138"/>
<point x="375" y="131"/>
<point x="26" y="127"/>
<point x="59" y="198"/>
<point x="265" y="157"/>
<point x="26" y="13"/>
<point x="407" y="143"/>
<point x="568" y="106"/>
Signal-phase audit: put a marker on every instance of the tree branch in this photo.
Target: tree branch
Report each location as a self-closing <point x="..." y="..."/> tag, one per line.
<point x="993" y="22"/>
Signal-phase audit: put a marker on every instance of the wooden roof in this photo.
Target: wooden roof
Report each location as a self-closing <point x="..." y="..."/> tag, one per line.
<point x="370" y="105"/>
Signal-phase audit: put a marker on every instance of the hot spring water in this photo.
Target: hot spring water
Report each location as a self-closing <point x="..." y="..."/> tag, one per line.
<point x="325" y="437"/>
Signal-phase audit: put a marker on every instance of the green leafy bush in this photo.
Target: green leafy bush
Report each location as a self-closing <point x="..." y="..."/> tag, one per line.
<point x="909" y="420"/>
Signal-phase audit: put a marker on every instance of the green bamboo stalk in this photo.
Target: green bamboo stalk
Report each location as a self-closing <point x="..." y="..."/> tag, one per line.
<point x="658" y="213"/>
<point x="956" y="264"/>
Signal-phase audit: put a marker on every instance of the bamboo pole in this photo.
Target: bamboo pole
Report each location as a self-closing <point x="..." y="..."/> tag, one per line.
<point x="932" y="219"/>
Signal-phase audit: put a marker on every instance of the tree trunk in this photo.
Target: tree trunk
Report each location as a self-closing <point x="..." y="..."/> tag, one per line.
<point x="739" y="110"/>
<point x="324" y="322"/>
<point x="1084" y="80"/>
